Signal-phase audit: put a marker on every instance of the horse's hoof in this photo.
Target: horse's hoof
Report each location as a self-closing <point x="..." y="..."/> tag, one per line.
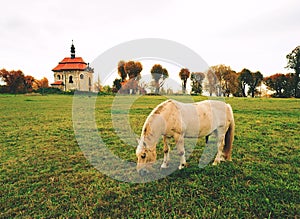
<point x="215" y="163"/>
<point x="222" y="159"/>
<point x="164" y="166"/>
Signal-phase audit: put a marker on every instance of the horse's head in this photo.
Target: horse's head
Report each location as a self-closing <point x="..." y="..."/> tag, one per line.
<point x="146" y="157"/>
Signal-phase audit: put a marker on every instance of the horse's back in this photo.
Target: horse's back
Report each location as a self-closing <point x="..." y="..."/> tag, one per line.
<point x="192" y="119"/>
<point x="204" y="116"/>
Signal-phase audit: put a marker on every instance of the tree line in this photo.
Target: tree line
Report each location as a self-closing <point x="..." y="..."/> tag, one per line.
<point x="16" y="82"/>
<point x="219" y="80"/>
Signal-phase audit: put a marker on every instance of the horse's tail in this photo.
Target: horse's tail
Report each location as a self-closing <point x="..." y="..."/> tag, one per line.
<point x="229" y="136"/>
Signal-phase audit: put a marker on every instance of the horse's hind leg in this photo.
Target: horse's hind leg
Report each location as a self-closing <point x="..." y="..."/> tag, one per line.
<point x="220" y="144"/>
<point x="165" y="163"/>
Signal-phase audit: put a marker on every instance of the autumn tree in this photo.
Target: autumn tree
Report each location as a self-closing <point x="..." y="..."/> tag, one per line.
<point x="40" y="85"/>
<point x="133" y="70"/>
<point x="231" y="83"/>
<point x="159" y="74"/>
<point x="28" y="83"/>
<point x="293" y="59"/>
<point x="197" y="79"/>
<point x="282" y="84"/>
<point x="130" y="73"/>
<point x="184" y="74"/>
<point x="43" y="83"/>
<point x="15" y="80"/>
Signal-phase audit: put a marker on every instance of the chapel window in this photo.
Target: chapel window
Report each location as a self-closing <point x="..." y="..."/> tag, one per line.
<point x="71" y="79"/>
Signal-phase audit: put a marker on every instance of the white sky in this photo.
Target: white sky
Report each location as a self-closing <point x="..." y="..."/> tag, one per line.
<point x="256" y="34"/>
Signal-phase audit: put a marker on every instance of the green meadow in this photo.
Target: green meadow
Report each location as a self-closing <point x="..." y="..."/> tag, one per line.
<point x="44" y="173"/>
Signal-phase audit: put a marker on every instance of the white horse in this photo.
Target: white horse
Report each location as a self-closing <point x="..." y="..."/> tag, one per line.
<point x="179" y="120"/>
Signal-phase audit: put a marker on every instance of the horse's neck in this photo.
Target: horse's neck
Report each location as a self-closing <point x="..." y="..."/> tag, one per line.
<point x="155" y="130"/>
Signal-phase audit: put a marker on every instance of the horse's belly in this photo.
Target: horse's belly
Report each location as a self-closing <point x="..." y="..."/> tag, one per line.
<point x="192" y="134"/>
<point x="198" y="131"/>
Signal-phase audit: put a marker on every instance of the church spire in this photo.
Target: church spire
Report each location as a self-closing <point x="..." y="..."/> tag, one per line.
<point x="72" y="51"/>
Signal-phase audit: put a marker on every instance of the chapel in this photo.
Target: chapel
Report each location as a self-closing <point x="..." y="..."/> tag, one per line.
<point x="73" y="74"/>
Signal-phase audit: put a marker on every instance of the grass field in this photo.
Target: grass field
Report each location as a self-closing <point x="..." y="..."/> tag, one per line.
<point x="44" y="174"/>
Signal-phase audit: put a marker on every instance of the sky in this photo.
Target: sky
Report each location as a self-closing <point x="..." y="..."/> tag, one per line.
<point x="255" y="34"/>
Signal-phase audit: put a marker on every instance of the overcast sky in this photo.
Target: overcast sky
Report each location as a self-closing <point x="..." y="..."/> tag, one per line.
<point x="257" y="34"/>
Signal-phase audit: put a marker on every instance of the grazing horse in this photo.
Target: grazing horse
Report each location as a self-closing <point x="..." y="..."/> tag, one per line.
<point x="179" y="120"/>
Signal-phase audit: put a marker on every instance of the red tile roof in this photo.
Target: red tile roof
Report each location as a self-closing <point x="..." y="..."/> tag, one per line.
<point x="67" y="63"/>
<point x="58" y="83"/>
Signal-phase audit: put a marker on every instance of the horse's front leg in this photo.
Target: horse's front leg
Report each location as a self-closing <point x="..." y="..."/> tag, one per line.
<point x="165" y="163"/>
<point x="179" y="139"/>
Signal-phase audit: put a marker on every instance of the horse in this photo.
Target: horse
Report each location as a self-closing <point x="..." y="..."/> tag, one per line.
<point x="174" y="119"/>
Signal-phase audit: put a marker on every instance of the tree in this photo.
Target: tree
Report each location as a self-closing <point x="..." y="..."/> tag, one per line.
<point x="159" y="74"/>
<point x="107" y="89"/>
<point x="280" y="83"/>
<point x="121" y="70"/>
<point x="212" y="81"/>
<point x="255" y="80"/>
<point x="244" y="79"/>
<point x="130" y="73"/>
<point x="289" y="90"/>
<point x="197" y="79"/>
<point x="28" y="83"/>
<point x="231" y="83"/>
<point x="184" y="74"/>
<point x="293" y="59"/>
<point x="117" y="85"/>
<point x="14" y="80"/>
<point x="225" y="80"/>
<point x="133" y="70"/>
<point x="97" y="85"/>
<point x="252" y="79"/>
<point x="41" y="85"/>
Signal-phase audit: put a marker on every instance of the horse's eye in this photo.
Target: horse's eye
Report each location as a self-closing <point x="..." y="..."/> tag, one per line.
<point x="143" y="156"/>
